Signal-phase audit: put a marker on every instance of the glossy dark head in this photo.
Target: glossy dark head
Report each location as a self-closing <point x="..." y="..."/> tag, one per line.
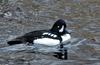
<point x="59" y="27"/>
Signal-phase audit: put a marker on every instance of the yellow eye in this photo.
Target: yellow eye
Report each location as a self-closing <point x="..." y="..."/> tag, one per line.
<point x="58" y="26"/>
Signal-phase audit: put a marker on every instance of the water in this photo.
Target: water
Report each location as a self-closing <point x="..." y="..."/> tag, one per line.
<point x="82" y="18"/>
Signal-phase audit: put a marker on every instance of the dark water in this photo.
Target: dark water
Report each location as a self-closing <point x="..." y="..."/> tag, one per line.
<point x="82" y="18"/>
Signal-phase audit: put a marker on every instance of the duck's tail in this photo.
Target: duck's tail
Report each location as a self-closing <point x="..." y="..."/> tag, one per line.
<point x="18" y="40"/>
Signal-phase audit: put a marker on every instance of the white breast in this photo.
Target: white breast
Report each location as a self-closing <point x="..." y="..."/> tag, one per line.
<point x="47" y="41"/>
<point x="66" y="37"/>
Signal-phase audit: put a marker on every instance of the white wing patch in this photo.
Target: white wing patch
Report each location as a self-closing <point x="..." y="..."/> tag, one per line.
<point x="55" y="36"/>
<point x="45" y="33"/>
<point x="52" y="35"/>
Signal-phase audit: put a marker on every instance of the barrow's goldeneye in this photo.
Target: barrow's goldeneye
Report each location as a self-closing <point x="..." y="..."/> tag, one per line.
<point x="57" y="34"/>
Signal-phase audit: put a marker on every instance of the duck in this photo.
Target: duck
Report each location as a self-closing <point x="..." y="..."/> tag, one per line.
<point x="51" y="37"/>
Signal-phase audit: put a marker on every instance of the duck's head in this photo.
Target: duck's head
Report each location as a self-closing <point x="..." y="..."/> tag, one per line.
<point x="59" y="27"/>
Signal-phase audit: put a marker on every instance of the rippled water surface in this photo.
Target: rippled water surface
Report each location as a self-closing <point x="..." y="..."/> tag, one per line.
<point x="82" y="18"/>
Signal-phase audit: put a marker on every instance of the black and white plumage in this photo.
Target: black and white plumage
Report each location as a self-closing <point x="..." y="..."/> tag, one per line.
<point x="56" y="35"/>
